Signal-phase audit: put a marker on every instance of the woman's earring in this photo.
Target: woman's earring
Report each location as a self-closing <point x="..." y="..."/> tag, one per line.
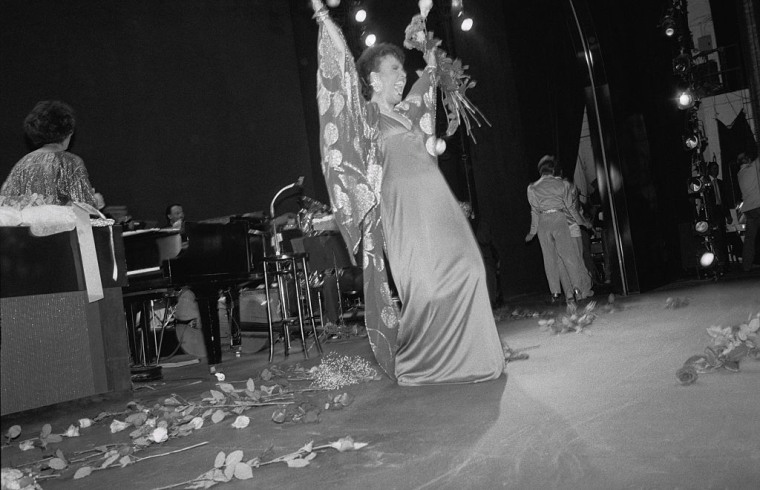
<point x="377" y="85"/>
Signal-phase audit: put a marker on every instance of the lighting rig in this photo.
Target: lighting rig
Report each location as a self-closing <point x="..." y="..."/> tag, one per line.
<point x="686" y="60"/>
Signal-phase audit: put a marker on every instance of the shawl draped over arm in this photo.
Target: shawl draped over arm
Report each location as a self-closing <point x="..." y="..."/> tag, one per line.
<point x="349" y="145"/>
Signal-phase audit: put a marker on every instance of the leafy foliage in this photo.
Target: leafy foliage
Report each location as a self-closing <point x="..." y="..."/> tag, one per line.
<point x="730" y="346"/>
<point x="175" y="416"/>
<point x="228" y="467"/>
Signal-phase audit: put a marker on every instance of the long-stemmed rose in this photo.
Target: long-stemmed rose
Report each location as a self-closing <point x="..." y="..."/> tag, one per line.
<point x="451" y="77"/>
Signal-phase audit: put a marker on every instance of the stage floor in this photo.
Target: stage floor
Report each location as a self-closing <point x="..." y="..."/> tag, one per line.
<point x="600" y="409"/>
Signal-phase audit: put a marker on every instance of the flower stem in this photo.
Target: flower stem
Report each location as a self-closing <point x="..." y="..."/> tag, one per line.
<point x="171" y="452"/>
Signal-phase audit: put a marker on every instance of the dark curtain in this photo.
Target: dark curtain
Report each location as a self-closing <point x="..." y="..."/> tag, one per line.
<point x="189" y="101"/>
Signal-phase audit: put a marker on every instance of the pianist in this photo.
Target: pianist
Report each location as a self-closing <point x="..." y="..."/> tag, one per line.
<point x="187" y="311"/>
<point x="50" y="171"/>
<point x="175" y="218"/>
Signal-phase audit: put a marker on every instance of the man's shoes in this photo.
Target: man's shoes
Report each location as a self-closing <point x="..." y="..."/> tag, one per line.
<point x="579" y="296"/>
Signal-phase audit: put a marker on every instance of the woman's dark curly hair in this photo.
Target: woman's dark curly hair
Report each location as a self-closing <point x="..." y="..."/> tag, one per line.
<point x="51" y="121"/>
<point x="369" y="61"/>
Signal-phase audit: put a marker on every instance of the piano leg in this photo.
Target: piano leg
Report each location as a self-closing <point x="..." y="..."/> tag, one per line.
<point x="207" y="298"/>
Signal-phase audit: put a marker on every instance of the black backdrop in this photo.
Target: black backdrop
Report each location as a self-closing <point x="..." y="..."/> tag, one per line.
<point x="193" y="101"/>
<point x="210" y="103"/>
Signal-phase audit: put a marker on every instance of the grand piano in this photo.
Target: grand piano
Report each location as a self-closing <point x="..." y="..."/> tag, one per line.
<point x="209" y="258"/>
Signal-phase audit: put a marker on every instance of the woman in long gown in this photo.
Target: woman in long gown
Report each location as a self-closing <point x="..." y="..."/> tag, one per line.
<point x="387" y="190"/>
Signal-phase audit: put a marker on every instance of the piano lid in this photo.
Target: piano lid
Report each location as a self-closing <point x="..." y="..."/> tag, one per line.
<point x="213" y="251"/>
<point x="145" y="250"/>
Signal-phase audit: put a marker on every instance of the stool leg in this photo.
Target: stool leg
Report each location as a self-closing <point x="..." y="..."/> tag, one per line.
<point x="283" y="307"/>
<point x="309" y="305"/>
<point x="269" y="313"/>
<point x="297" y="285"/>
<point x="319" y="305"/>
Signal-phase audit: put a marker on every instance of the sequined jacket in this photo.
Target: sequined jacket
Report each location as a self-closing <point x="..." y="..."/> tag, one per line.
<point x="59" y="175"/>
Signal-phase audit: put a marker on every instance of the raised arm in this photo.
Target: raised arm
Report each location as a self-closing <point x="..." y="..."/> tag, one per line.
<point x="325" y="21"/>
<point x="348" y="139"/>
<point x="424" y="84"/>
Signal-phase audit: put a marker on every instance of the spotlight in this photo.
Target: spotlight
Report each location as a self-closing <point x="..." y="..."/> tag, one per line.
<point x="668" y="25"/>
<point x="691" y="141"/>
<point x="682" y="64"/>
<point x="361" y="15"/>
<point x="456" y="4"/>
<point x="686" y="99"/>
<point x="707" y="259"/>
<point x="702" y="227"/>
<point x="370" y="40"/>
<point x="695" y="185"/>
<point x="466" y="24"/>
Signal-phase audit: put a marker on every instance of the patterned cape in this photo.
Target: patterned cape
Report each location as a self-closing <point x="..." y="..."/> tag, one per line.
<point x="349" y="144"/>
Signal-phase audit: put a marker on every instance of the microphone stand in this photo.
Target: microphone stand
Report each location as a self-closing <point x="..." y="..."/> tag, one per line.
<point x="275" y="238"/>
<point x="280" y="284"/>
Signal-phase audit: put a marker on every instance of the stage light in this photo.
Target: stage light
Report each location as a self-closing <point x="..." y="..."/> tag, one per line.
<point x="707" y="259"/>
<point x="466" y="24"/>
<point x="682" y="64"/>
<point x="361" y="15"/>
<point x="668" y="25"/>
<point x="333" y="3"/>
<point x="686" y="99"/>
<point x="702" y="227"/>
<point x="695" y="185"/>
<point x="691" y="141"/>
<point x="456" y="4"/>
<point x="370" y="40"/>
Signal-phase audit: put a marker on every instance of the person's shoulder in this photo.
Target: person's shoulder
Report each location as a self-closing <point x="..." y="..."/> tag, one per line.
<point x="69" y="158"/>
<point x="29" y="157"/>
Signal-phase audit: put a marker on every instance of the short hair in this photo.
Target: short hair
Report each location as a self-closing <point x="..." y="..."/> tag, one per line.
<point x="51" y="121"/>
<point x="547" y="165"/>
<point x="168" y="210"/>
<point x="369" y="61"/>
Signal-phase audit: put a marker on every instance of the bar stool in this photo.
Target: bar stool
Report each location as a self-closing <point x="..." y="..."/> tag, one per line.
<point x="294" y="266"/>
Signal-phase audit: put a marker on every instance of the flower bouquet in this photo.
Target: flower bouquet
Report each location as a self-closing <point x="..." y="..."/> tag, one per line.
<point x="729" y="346"/>
<point x="451" y="76"/>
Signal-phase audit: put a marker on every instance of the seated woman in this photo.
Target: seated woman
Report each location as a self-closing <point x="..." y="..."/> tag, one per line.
<point x="50" y="171"/>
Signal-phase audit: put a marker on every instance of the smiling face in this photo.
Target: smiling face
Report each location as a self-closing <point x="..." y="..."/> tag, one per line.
<point x="392" y="79"/>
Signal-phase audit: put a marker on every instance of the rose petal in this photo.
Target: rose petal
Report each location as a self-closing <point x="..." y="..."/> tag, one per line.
<point x="118" y="426"/>
<point x="241" y="422"/>
<point x="26" y="445"/>
<point x="687" y="375"/>
<point x="159" y="435"/>
<point x="72" y="431"/>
